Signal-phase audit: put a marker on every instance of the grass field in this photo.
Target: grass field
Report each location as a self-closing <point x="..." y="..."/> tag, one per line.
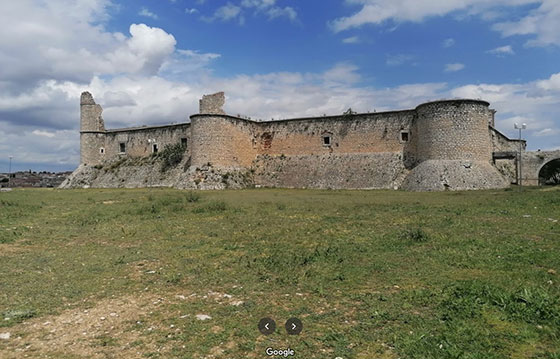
<point x="372" y="274"/>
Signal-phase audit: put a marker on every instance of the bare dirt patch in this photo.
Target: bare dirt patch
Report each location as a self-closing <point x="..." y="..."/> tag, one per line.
<point x="106" y="330"/>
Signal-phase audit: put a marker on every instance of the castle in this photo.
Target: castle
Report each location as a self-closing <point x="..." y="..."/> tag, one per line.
<point x="440" y="145"/>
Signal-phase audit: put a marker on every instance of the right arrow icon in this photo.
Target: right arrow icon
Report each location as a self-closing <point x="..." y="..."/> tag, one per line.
<point x="294" y="326"/>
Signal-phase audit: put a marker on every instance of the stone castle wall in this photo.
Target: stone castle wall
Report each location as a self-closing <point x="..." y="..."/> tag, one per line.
<point x="439" y="145"/>
<point x="222" y="141"/>
<point x="359" y="133"/>
<point x="454" y="130"/>
<point x="98" y="145"/>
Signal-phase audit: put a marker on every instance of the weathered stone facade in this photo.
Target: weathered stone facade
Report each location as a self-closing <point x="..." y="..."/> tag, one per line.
<point x="449" y="144"/>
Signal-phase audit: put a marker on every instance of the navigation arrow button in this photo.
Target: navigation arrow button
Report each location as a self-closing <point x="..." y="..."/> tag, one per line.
<point x="267" y="326"/>
<point x="294" y="326"/>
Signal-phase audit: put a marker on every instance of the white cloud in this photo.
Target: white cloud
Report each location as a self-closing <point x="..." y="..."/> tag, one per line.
<point x="231" y="11"/>
<point x="448" y="42"/>
<point x="379" y="11"/>
<point x="542" y="22"/>
<point x="43" y="133"/>
<point x="258" y="3"/>
<point x="502" y="50"/>
<point x="551" y="84"/>
<point x="399" y="59"/>
<point x="288" y="12"/>
<point x="191" y="11"/>
<point x="226" y="13"/>
<point x="147" y="13"/>
<point x="268" y="7"/>
<point x="351" y="40"/>
<point x="454" y="67"/>
<point x="547" y="132"/>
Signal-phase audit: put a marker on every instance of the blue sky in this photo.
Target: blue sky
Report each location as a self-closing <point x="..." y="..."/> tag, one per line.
<point x="149" y="61"/>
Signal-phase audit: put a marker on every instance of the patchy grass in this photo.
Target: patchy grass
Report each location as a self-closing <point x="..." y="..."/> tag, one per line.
<point x="372" y="274"/>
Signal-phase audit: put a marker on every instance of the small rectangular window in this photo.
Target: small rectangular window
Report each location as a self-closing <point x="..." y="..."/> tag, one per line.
<point x="102" y="150"/>
<point x="184" y="142"/>
<point x="405" y="136"/>
<point x="122" y="147"/>
<point x="154" y="148"/>
<point x="327" y="140"/>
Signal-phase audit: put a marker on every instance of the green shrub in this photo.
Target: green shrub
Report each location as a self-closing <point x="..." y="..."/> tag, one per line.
<point x="171" y="156"/>
<point x="414" y="235"/>
<point x="192" y="197"/>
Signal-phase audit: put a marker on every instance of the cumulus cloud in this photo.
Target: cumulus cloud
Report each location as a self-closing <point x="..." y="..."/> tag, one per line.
<point x="502" y="51"/>
<point x="454" y="67"/>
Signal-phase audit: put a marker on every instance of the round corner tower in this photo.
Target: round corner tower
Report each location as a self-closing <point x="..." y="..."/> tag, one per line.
<point x="454" y="149"/>
<point x="218" y="139"/>
<point x="454" y="130"/>
<point x="92" y="131"/>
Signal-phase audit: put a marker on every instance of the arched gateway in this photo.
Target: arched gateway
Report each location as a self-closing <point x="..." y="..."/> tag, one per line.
<point x="541" y="167"/>
<point x="549" y="174"/>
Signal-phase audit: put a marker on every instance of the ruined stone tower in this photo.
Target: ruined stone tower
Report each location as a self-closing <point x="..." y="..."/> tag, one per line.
<point x="92" y="130"/>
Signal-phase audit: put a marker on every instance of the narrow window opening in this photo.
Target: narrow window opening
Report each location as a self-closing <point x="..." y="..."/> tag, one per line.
<point x="405" y="136"/>
<point x="102" y="150"/>
<point x="122" y="147"/>
<point x="184" y="142"/>
<point x="154" y="148"/>
<point x="327" y="141"/>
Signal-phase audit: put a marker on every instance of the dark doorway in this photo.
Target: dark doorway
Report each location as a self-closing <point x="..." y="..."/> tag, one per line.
<point x="550" y="173"/>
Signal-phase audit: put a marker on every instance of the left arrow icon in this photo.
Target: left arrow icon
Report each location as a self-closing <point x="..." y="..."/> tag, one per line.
<point x="267" y="326"/>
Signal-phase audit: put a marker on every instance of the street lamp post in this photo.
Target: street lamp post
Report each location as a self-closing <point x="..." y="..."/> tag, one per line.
<point x="10" y="173"/>
<point x="520" y="127"/>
